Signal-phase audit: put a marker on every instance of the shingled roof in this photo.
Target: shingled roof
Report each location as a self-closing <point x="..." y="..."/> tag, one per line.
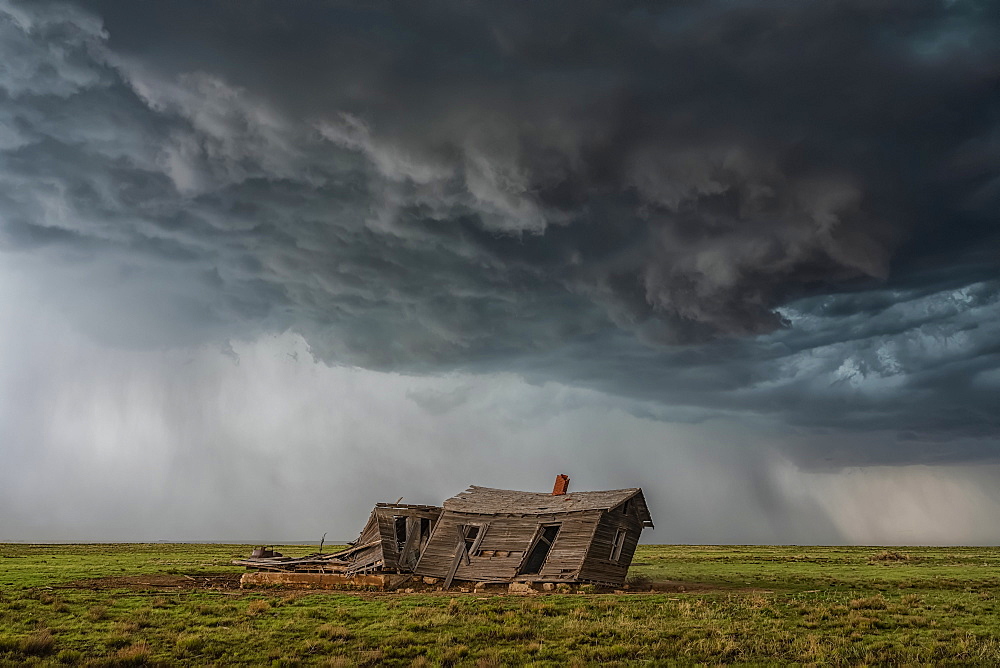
<point x="489" y="501"/>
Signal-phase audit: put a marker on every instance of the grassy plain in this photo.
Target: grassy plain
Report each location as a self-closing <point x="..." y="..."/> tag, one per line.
<point x="120" y="605"/>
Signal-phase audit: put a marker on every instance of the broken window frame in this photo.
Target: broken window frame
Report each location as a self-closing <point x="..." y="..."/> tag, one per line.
<point x="398" y="520"/>
<point x="539" y="536"/>
<point x="472" y="548"/>
<point x="618" y="543"/>
<point x="425" y="528"/>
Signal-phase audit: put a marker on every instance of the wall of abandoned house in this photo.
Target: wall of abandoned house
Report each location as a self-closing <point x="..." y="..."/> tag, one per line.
<point x="503" y="547"/>
<point x="392" y="546"/>
<point x="598" y="566"/>
<point x="371" y="557"/>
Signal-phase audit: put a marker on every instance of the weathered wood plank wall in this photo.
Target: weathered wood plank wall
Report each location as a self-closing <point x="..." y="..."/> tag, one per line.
<point x="598" y="565"/>
<point x="506" y="541"/>
<point x="385" y="520"/>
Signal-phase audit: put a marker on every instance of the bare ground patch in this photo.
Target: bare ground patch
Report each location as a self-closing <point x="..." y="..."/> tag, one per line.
<point x="230" y="583"/>
<point x="227" y="581"/>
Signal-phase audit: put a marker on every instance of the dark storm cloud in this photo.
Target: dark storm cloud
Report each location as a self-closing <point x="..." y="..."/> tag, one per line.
<point x="713" y="208"/>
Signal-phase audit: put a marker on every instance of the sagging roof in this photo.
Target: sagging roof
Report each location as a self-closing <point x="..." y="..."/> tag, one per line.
<point x="489" y="501"/>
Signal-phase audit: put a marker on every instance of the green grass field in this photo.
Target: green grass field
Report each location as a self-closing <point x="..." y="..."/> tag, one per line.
<point x="119" y="605"/>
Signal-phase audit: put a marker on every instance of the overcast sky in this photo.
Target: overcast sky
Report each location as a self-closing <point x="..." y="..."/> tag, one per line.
<point x="264" y="264"/>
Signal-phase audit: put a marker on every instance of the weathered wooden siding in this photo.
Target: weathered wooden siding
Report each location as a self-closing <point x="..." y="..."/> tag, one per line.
<point x="388" y="534"/>
<point x="566" y="558"/>
<point x="598" y="565"/>
<point x="370" y="557"/>
<point x="503" y="547"/>
<point x="384" y="518"/>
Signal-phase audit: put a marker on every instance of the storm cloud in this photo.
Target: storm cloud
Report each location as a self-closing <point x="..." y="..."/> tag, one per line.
<point x="781" y="211"/>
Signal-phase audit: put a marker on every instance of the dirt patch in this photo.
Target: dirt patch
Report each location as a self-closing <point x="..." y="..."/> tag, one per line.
<point x="163" y="581"/>
<point x="230" y="583"/>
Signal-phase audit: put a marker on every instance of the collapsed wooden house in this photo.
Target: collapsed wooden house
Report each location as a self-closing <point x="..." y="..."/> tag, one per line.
<point x="391" y="542"/>
<point x="498" y="535"/>
<point x="486" y="535"/>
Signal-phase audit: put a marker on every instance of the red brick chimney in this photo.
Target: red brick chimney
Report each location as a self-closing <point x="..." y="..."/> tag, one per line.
<point x="562" y="484"/>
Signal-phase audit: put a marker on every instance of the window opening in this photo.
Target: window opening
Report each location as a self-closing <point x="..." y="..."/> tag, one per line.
<point x="616" y="547"/>
<point x="425" y="528"/>
<point x="540" y="550"/>
<point x="471" y="533"/>
<point x="400" y="524"/>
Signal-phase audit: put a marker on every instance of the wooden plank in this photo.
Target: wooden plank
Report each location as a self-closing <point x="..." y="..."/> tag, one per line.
<point x="460" y="556"/>
<point x="412" y="535"/>
<point x="387" y="531"/>
<point x="462" y="533"/>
